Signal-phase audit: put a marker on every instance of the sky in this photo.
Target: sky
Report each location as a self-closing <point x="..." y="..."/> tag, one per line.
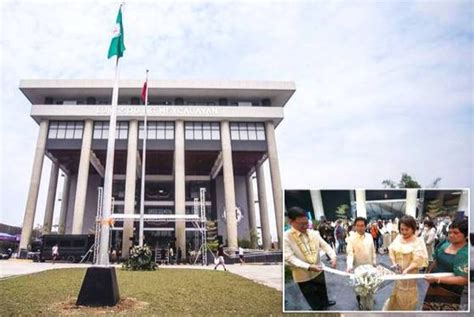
<point x="382" y="87"/>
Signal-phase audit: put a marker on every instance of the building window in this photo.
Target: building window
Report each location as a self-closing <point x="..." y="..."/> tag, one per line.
<point x="157" y="130"/>
<point x="66" y="130"/>
<point x="121" y="130"/>
<point x="101" y="130"/>
<point x="252" y="131"/>
<point x="202" y="131"/>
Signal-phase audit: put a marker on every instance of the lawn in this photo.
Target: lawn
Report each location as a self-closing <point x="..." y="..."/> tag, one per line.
<point x="165" y="290"/>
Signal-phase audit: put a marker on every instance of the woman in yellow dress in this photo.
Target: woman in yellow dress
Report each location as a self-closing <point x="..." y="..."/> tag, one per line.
<point x="408" y="252"/>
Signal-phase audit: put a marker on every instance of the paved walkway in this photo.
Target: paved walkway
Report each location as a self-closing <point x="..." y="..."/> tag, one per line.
<point x="13" y="267"/>
<point x="269" y="275"/>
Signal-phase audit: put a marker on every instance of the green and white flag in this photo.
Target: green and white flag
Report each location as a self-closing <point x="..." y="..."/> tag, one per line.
<point x="117" y="47"/>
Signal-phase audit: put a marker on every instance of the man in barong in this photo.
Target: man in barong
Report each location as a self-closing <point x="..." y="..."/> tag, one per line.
<point x="360" y="248"/>
<point x="301" y="253"/>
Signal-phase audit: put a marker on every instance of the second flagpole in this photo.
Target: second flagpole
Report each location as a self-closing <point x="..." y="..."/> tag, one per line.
<point x="142" y="193"/>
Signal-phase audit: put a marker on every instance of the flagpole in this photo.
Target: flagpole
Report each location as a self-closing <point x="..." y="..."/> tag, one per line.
<point x="142" y="193"/>
<point x="106" y="293"/>
<point x="108" y="176"/>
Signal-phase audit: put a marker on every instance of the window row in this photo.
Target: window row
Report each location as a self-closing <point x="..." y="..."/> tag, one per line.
<point x="158" y="101"/>
<point x="101" y="130"/>
<point x="65" y="130"/>
<point x="202" y="131"/>
<point x="247" y="131"/>
<point x="157" y="130"/>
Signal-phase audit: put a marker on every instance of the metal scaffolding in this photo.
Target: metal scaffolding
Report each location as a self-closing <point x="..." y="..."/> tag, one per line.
<point x="197" y="219"/>
<point x="98" y="223"/>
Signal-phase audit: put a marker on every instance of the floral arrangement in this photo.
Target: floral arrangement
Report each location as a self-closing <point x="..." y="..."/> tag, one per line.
<point x="366" y="280"/>
<point x="140" y="259"/>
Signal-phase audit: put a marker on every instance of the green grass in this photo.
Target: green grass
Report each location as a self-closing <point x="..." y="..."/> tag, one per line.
<point x="165" y="290"/>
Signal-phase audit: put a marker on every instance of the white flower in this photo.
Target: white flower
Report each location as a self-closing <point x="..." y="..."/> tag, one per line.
<point x="366" y="280"/>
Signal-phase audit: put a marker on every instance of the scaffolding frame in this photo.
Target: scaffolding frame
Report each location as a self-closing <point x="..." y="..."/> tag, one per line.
<point x="198" y="220"/>
<point x="98" y="223"/>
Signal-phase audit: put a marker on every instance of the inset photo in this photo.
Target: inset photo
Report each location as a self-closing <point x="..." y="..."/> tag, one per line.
<point x="377" y="250"/>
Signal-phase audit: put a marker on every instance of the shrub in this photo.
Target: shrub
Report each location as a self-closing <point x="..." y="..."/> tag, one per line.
<point x="140" y="259"/>
<point x="244" y="244"/>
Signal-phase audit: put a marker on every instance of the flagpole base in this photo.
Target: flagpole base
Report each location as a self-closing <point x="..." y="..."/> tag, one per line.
<point x="99" y="287"/>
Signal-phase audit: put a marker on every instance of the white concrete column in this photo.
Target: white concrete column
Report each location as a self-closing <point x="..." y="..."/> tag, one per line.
<point x="263" y="206"/>
<point x="251" y="212"/>
<point x="229" y="186"/>
<point x="64" y="205"/>
<point x="82" y="178"/>
<point x="411" y="202"/>
<point x="463" y="204"/>
<point x="360" y="203"/>
<point x="130" y="180"/>
<point x="179" y="185"/>
<point x="317" y="201"/>
<point x="33" y="191"/>
<point x="276" y="179"/>
<point x="51" y="198"/>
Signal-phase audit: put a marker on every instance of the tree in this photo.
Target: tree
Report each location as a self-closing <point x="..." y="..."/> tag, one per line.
<point x="407" y="181"/>
<point x="388" y="183"/>
<point x="433" y="208"/>
<point x="341" y="211"/>
<point x="435" y="183"/>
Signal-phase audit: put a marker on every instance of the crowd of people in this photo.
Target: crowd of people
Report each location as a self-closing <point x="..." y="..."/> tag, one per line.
<point x="383" y="232"/>
<point x="413" y="246"/>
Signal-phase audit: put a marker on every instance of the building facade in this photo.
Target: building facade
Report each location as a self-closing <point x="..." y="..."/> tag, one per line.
<point x="200" y="134"/>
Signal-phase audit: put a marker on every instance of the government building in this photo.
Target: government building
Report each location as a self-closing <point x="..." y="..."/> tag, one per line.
<point x="206" y="142"/>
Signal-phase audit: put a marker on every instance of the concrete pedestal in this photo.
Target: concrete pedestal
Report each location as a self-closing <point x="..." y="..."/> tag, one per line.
<point x="99" y="287"/>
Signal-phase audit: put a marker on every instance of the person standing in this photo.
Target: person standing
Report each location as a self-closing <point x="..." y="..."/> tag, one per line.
<point x="386" y="236"/>
<point x="407" y="252"/>
<point x="374" y="231"/>
<point x="301" y="254"/>
<point x="350" y="232"/>
<point x="188" y="253"/>
<point x="179" y="255"/>
<point x="171" y="255"/>
<point x="360" y="248"/>
<point x="326" y="233"/>
<point x="55" y="252"/>
<point x="163" y="256"/>
<point x="339" y="232"/>
<point x="381" y="230"/>
<point x="241" y="255"/>
<point x="395" y="228"/>
<point x="113" y="256"/>
<point x="444" y="293"/>
<point x="220" y="257"/>
<point x="429" y="236"/>
<point x="323" y="230"/>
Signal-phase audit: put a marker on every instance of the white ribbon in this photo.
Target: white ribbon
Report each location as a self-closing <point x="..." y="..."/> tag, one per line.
<point x="394" y="277"/>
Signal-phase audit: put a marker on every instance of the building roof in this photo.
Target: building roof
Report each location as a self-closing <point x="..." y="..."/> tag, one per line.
<point x="279" y="92"/>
